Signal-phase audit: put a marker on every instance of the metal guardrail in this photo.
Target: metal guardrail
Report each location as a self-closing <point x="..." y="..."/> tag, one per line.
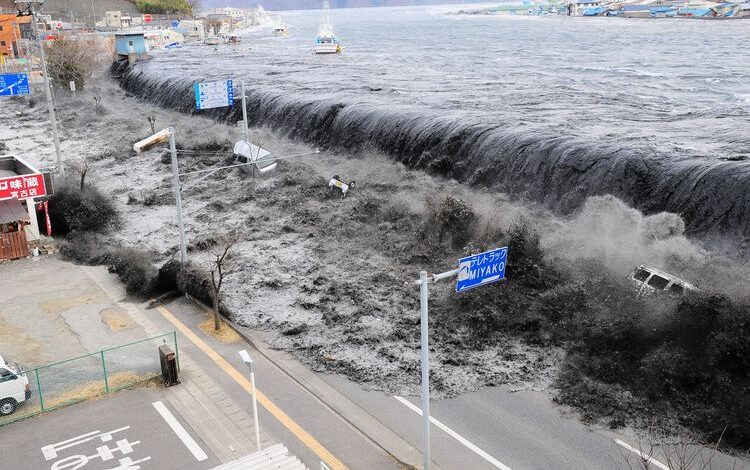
<point x="73" y="380"/>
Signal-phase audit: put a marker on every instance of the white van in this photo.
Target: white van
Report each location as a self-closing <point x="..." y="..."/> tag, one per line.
<point x="649" y="279"/>
<point x="14" y="386"/>
<point x="260" y="158"/>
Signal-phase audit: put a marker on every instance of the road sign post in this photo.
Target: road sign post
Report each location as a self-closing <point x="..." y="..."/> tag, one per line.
<point x="244" y="113"/>
<point x="473" y="271"/>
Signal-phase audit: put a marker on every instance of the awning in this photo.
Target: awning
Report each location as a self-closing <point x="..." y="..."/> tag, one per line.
<point x="12" y="211"/>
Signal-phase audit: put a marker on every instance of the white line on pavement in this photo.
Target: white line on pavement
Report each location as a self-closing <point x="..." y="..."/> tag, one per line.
<point x="455" y="435"/>
<point x="640" y="454"/>
<point x="189" y="442"/>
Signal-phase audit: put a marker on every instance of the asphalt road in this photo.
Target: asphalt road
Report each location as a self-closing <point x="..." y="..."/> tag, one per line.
<point x="124" y="431"/>
<point x="499" y="429"/>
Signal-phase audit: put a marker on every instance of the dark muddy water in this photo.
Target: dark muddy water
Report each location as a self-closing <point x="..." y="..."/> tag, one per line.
<point x="656" y="112"/>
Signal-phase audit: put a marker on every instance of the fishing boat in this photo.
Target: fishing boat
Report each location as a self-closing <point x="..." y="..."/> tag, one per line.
<point x="326" y="41"/>
<point x="280" y="30"/>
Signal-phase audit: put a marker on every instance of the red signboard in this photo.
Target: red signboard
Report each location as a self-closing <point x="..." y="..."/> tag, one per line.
<point x="22" y="187"/>
<point x="147" y="18"/>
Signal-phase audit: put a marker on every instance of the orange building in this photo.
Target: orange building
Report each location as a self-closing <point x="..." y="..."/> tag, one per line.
<point x="12" y="29"/>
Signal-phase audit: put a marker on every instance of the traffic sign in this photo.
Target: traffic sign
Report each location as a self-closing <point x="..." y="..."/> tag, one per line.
<point x="12" y="84"/>
<point x="484" y="268"/>
<point x="214" y="94"/>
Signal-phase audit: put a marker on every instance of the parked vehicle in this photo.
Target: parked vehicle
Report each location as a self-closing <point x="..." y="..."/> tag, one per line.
<point x="649" y="279"/>
<point x="14" y="386"/>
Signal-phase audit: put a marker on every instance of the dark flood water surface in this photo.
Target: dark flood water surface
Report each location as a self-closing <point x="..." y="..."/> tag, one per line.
<point x="552" y="109"/>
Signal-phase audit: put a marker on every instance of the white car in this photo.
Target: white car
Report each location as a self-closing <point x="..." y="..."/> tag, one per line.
<point x="253" y="157"/>
<point x="14" y="386"/>
<point x="648" y="279"/>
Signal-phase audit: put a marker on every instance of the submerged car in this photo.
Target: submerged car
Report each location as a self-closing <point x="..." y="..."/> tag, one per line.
<point x="258" y="158"/>
<point x="650" y="279"/>
<point x="14" y="386"/>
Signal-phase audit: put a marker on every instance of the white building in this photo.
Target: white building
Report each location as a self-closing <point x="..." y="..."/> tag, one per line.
<point x="193" y="30"/>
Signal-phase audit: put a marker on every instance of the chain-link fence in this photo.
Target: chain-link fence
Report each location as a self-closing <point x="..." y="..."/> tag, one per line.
<point x="63" y="383"/>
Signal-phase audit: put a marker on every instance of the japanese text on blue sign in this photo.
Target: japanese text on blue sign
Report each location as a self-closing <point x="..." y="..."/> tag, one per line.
<point x="484" y="268"/>
<point x="14" y="84"/>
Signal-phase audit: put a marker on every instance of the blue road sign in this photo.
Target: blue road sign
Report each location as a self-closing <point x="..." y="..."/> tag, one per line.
<point x="484" y="268"/>
<point x="13" y="84"/>
<point x="214" y="94"/>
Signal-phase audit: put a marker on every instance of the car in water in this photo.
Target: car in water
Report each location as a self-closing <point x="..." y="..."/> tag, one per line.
<point x="251" y="158"/>
<point x="648" y="279"/>
<point x="14" y="386"/>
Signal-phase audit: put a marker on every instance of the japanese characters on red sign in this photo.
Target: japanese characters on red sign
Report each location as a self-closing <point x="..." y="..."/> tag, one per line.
<point x="22" y="187"/>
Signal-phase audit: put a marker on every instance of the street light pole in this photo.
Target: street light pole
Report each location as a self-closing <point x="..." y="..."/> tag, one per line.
<point x="244" y="113"/>
<point x="249" y="361"/>
<point x="424" y="294"/>
<point x="177" y="196"/>
<point x="47" y="89"/>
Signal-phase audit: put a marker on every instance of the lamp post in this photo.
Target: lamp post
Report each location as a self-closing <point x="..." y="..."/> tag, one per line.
<point x="47" y="89"/>
<point x="249" y="362"/>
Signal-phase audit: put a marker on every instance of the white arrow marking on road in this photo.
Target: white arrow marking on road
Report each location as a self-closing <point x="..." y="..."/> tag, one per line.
<point x="186" y="439"/>
<point x="643" y="456"/>
<point x="455" y="435"/>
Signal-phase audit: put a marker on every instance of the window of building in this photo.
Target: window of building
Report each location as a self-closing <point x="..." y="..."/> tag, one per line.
<point x="2" y="43"/>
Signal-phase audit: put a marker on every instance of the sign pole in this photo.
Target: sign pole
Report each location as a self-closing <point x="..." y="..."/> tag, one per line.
<point x="473" y="271"/>
<point x="177" y="197"/>
<point x="50" y="104"/>
<point x="424" y="294"/>
<point x="244" y="113"/>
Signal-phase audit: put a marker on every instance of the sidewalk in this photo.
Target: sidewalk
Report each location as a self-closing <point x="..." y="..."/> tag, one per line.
<point x="225" y="426"/>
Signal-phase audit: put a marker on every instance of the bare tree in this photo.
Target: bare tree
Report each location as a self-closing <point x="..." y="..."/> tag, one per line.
<point x="72" y="60"/>
<point x="81" y="167"/>
<point x="214" y="25"/>
<point x="683" y="453"/>
<point x="222" y="262"/>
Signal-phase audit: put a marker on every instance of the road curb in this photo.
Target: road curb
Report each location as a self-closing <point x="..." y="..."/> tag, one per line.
<point x="370" y="427"/>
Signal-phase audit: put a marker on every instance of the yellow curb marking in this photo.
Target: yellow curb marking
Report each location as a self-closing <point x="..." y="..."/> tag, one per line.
<point x="283" y="418"/>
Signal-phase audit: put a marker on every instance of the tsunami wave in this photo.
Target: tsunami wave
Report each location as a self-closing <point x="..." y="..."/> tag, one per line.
<point x="545" y="166"/>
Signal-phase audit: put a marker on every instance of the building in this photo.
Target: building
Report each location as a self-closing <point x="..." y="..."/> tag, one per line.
<point x="13" y="30"/>
<point x="193" y="30"/>
<point x="742" y="11"/>
<point x="20" y="185"/>
<point x="582" y="5"/>
<point x="236" y="14"/>
<point x="131" y="46"/>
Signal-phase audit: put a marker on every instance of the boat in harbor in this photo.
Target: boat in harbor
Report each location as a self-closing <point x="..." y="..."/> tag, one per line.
<point x="326" y="41"/>
<point x="280" y="30"/>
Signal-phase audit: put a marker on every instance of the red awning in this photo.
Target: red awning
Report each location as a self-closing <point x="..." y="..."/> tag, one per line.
<point x="12" y="211"/>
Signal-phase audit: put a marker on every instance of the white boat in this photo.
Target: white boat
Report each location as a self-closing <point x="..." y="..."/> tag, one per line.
<point x="280" y="30"/>
<point x="326" y="41"/>
<point x="212" y="41"/>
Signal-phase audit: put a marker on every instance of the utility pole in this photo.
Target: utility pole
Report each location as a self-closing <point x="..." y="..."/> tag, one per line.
<point x="93" y="13"/>
<point x="47" y="88"/>
<point x="244" y="113"/>
<point x="177" y="196"/>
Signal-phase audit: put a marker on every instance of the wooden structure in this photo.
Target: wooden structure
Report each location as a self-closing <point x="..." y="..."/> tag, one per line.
<point x="13" y="218"/>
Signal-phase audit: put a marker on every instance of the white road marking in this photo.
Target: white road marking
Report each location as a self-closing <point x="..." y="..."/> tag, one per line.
<point x="455" y="435"/>
<point x="186" y="439"/>
<point x="642" y="455"/>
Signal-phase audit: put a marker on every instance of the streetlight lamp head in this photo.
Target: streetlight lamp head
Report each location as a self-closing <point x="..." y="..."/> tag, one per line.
<point x="246" y="357"/>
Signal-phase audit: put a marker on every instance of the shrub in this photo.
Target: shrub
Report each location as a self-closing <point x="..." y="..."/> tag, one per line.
<point x="452" y="219"/>
<point x="72" y="60"/>
<point x="72" y="209"/>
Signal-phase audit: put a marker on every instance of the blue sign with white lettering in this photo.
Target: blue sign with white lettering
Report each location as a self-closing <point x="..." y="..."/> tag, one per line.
<point x="14" y="84"/>
<point x="214" y="94"/>
<point x="484" y="268"/>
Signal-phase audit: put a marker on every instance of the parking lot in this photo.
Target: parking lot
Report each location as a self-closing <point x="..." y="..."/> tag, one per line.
<point x="130" y="430"/>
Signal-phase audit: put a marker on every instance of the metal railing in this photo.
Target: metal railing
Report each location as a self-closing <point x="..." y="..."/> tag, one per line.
<point x="80" y="378"/>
